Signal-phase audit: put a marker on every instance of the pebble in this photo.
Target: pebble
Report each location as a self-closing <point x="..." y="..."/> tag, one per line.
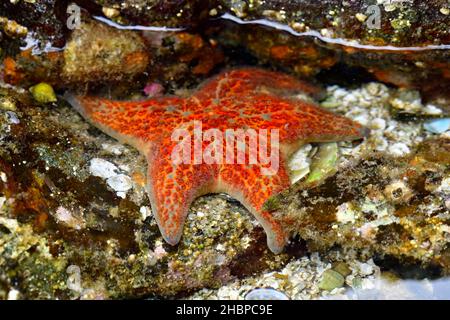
<point x="145" y="212"/>
<point x="13" y="294"/>
<point x="447" y="203"/>
<point x="102" y="168"/>
<point x="11" y="224"/>
<point x="12" y="117"/>
<point x="444" y="11"/>
<point x="398" y="149"/>
<point x="265" y="294"/>
<point x="65" y="216"/>
<point x="445" y="135"/>
<point x="110" y="12"/>
<point x="120" y="183"/>
<point x="366" y="269"/>
<point x="115" y="149"/>
<point x="407" y="100"/>
<point x="445" y="186"/>
<point x="331" y="280"/>
<point x="342" y="268"/>
<point x="361" y="17"/>
<point x="7" y="103"/>
<point x="437" y="125"/>
<point x="345" y="213"/>
<point x="12" y="28"/>
<point x="378" y="124"/>
<point x="432" y="110"/>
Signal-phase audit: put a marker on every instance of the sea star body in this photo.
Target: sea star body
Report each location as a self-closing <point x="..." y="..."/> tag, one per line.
<point x="237" y="99"/>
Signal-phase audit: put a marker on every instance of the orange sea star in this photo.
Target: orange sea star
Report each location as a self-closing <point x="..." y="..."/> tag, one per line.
<point x="237" y="99"/>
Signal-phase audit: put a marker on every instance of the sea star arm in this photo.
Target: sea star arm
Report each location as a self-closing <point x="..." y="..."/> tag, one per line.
<point x="243" y="81"/>
<point x="253" y="188"/>
<point x="134" y="122"/>
<point x="172" y="188"/>
<point x="315" y="124"/>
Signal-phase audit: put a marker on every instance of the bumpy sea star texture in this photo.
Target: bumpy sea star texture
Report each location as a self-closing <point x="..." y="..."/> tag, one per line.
<point x="238" y="99"/>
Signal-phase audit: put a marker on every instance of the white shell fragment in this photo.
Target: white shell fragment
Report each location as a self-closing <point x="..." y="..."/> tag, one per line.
<point x="120" y="183"/>
<point x="102" y="168"/>
<point x="299" y="163"/>
<point x="12" y="117"/>
<point x="265" y="294"/>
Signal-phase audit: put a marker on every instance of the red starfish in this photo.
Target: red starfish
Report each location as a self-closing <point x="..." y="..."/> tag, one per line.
<point x="242" y="98"/>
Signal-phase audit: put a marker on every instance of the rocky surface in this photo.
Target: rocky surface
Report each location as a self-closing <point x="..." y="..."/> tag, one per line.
<point x="184" y="13"/>
<point x="399" y="20"/>
<point x="96" y="54"/>
<point x="408" y="47"/>
<point x="73" y="206"/>
<point x="75" y="221"/>
<point x="308" y="37"/>
<point x="74" y="197"/>
<point x="390" y="194"/>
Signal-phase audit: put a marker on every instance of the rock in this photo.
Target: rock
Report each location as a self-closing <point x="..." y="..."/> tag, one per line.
<point x="437" y="125"/>
<point x="12" y="28"/>
<point x="39" y="18"/>
<point x="280" y="33"/>
<point x="265" y="294"/>
<point x="389" y="216"/>
<point x="331" y="280"/>
<point x="184" y="14"/>
<point x="96" y="54"/>
<point x="340" y="19"/>
<point x="342" y="268"/>
<point x="102" y="168"/>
